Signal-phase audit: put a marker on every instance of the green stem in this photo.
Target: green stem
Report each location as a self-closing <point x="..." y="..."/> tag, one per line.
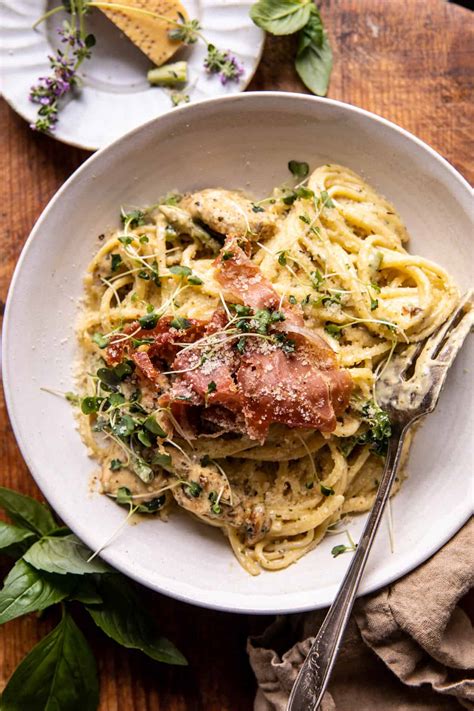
<point x="47" y="14"/>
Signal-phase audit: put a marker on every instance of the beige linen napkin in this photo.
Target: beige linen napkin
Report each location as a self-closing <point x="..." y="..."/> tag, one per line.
<point x="408" y="647"/>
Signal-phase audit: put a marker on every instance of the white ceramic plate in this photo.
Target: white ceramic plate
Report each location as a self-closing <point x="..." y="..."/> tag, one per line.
<point x="116" y="96"/>
<point x="237" y="142"/>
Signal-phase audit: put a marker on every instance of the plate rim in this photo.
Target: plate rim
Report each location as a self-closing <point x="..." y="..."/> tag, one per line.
<point x="82" y="146"/>
<point x="237" y="603"/>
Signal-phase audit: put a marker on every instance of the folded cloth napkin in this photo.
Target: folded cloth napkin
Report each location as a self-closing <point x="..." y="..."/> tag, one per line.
<point x="408" y="647"/>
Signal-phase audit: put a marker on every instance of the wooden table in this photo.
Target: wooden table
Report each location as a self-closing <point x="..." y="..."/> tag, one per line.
<point x="410" y="61"/>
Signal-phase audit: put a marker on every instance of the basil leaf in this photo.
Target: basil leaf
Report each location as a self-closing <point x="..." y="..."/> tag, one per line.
<point x="281" y="17"/>
<point x="64" y="555"/>
<point x="314" y="56"/>
<point x="26" y="512"/>
<point x="59" y="673"/>
<point x="123" y="618"/>
<point x="13" y="535"/>
<point x="86" y="592"/>
<point x="27" y="590"/>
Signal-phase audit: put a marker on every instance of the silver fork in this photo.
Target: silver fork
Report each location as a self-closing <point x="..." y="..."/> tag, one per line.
<point x="408" y="389"/>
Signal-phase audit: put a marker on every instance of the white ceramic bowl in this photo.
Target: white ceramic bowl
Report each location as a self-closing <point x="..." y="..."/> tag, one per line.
<point x="245" y="142"/>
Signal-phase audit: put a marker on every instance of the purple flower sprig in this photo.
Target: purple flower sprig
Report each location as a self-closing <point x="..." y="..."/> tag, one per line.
<point x="63" y="78"/>
<point x="222" y="63"/>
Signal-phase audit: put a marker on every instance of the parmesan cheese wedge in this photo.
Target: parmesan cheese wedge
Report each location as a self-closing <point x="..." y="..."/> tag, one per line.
<point x="148" y="33"/>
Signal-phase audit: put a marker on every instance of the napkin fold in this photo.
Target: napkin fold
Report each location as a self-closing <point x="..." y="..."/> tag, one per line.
<point x="408" y="647"/>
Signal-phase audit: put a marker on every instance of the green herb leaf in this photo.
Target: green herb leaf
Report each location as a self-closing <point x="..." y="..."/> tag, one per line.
<point x="282" y="258"/>
<point x="59" y="673"/>
<point x="194" y="489"/>
<point x="281" y="17"/>
<point x="194" y="280"/>
<point x="161" y="460"/>
<point x="326" y="490"/>
<point x="26" y="512"/>
<point x="116" y="261"/>
<point x="14" y="538"/>
<point x="91" y="404"/>
<point x="135" y="218"/>
<point x="144" y="438"/>
<point x="314" y="56"/>
<point x="123" y="618"/>
<point x="28" y="590"/>
<point x="298" y="169"/>
<point x="123" y="496"/>
<point x="333" y="330"/>
<point x="123" y="426"/>
<point x="100" y="340"/>
<point x="181" y="271"/>
<point x="180" y="323"/>
<point x="116" y="465"/>
<point x="152" y="426"/>
<point x="62" y="555"/>
<point x="338" y="550"/>
<point x="149" y="321"/>
<point x="211" y="387"/>
<point x="374" y="303"/>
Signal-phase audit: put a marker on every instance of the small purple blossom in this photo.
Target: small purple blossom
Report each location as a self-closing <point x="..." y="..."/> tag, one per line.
<point x="222" y="63"/>
<point x="63" y="78"/>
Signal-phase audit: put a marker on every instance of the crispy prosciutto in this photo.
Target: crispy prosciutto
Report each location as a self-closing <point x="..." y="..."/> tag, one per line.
<point x="244" y="375"/>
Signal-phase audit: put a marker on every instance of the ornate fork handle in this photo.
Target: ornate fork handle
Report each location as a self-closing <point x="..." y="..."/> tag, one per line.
<point x="314" y="675"/>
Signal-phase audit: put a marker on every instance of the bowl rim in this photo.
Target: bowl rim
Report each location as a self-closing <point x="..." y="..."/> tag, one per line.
<point x="254" y="604"/>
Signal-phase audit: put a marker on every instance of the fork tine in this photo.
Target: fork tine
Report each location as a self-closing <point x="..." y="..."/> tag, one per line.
<point x="455" y="339"/>
<point x="434" y="342"/>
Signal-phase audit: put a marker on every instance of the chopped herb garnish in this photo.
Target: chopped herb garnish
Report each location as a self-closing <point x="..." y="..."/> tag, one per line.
<point x="152" y="506"/>
<point x="257" y="208"/>
<point x="125" y="239"/>
<point x="227" y="255"/>
<point x="316" y="279"/>
<point x="123" y="426"/>
<point x="91" y="404"/>
<point x="373" y="304"/>
<point x="325" y="200"/>
<point x="149" y="321"/>
<point x="144" y="438"/>
<point x="211" y="387"/>
<point x="100" y="340"/>
<point x="116" y="464"/>
<point x="240" y="345"/>
<point x="241" y="310"/>
<point x="326" y="490"/>
<point x="292" y="299"/>
<point x="144" y="239"/>
<point x="152" y="426"/>
<point x="193" y="489"/>
<point x="298" y="169"/>
<point x="305" y="219"/>
<point x="144" y="274"/>
<point x="333" y="330"/>
<point x="282" y="258"/>
<point x="123" y="496"/>
<point x="338" y="550"/>
<point x="161" y="460"/>
<point x="116" y="261"/>
<point x="180" y="270"/>
<point x="194" y="280"/>
<point x="182" y="324"/>
<point x="286" y="344"/>
<point x="135" y="218"/>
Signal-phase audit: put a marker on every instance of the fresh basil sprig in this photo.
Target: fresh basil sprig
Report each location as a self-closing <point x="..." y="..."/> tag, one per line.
<point x="313" y="60"/>
<point x="53" y="566"/>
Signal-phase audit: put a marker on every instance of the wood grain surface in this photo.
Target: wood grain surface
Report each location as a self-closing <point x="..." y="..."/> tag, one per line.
<point x="410" y="61"/>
